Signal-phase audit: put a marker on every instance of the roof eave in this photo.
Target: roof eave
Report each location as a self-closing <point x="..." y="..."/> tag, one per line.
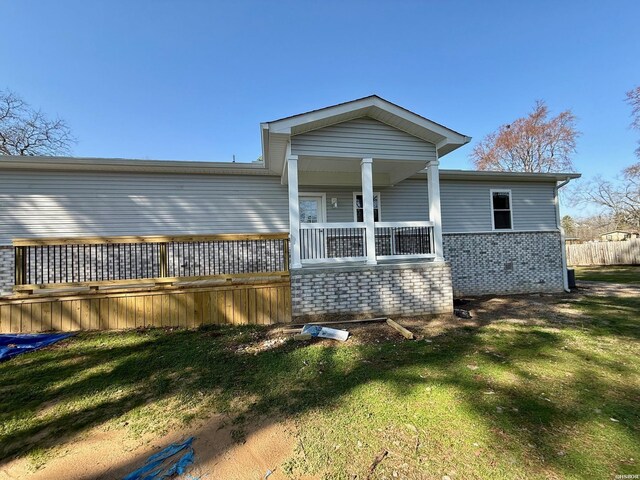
<point x="524" y="176"/>
<point x="43" y="163"/>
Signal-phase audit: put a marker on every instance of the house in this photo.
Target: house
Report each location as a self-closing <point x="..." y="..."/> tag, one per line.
<point x="619" y="235"/>
<point x="376" y="222"/>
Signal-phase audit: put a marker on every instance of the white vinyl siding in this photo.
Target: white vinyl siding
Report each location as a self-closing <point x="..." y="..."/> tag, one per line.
<point x="51" y="204"/>
<point x="362" y="138"/>
<point x="407" y="201"/>
<point x="466" y="205"/>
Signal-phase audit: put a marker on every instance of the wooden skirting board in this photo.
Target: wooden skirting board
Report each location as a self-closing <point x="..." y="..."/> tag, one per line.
<point x="188" y="307"/>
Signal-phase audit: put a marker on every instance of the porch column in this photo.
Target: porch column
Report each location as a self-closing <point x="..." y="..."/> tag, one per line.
<point x="433" y="179"/>
<point x="294" y="211"/>
<point x="366" y="167"/>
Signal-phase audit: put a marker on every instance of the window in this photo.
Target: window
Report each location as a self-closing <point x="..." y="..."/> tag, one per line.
<point x="501" y="205"/>
<point x="358" y="207"/>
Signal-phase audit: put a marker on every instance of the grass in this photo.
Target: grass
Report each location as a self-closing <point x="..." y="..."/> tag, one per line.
<point x="615" y="274"/>
<point x="543" y="399"/>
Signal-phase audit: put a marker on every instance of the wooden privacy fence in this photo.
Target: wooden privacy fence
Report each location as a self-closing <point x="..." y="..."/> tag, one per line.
<point x="604" y="253"/>
<point x="187" y="307"/>
<point x="127" y="282"/>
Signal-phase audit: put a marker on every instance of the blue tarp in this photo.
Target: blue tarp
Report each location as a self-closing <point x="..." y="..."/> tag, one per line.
<point x="15" y="344"/>
<point x="166" y="463"/>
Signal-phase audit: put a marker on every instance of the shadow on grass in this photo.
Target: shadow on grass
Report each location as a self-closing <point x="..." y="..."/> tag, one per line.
<point x="104" y="376"/>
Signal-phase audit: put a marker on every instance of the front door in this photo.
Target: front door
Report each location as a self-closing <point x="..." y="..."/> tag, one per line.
<point x="312" y="210"/>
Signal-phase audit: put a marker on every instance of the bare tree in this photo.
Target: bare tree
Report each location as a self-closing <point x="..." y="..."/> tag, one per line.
<point x="591" y="227"/>
<point x="25" y="131"/>
<point x="633" y="99"/>
<point x="620" y="198"/>
<point x="535" y="143"/>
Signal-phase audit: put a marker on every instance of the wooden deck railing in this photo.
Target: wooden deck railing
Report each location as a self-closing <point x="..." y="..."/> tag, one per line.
<point x="101" y="261"/>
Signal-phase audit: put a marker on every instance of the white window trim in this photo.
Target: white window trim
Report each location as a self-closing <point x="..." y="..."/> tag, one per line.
<point x="355" y="210"/>
<point x="323" y="209"/>
<point x="501" y="190"/>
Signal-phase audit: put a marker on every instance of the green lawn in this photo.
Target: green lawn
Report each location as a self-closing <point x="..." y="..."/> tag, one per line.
<point x="548" y="398"/>
<point x="617" y="274"/>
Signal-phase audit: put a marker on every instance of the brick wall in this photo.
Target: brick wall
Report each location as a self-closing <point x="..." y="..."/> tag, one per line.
<point x="505" y="262"/>
<point x="400" y="289"/>
<point x="6" y="269"/>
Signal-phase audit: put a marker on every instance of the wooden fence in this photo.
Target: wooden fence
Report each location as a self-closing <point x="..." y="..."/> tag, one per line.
<point x="604" y="253"/>
<point x="187" y="307"/>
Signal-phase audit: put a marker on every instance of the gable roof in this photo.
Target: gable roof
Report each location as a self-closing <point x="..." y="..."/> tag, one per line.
<point x="277" y="132"/>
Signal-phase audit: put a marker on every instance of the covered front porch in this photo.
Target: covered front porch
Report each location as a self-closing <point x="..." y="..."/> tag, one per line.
<point x="373" y="236"/>
<point x="365" y="230"/>
<point x="360" y="147"/>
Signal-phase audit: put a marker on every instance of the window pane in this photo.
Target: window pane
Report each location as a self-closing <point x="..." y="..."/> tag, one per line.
<point x="360" y="209"/>
<point x="308" y="211"/>
<point x="502" y="220"/>
<point x="359" y="201"/>
<point x="501" y="200"/>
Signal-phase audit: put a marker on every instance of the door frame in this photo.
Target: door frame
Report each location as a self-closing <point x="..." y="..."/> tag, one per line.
<point x="322" y="213"/>
<point x="314" y="246"/>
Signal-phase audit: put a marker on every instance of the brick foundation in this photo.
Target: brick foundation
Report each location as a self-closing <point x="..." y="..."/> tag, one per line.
<point x="6" y="269"/>
<point x="505" y="262"/>
<point x="387" y="289"/>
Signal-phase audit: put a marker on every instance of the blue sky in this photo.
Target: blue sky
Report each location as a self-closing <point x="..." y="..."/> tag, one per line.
<point x="193" y="79"/>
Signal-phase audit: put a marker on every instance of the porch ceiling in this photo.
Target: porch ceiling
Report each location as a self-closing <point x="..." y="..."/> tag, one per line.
<point x="346" y="171"/>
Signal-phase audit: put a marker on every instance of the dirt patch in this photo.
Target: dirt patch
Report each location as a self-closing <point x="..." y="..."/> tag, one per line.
<point x="609" y="289"/>
<point x="530" y="309"/>
<point x="112" y="454"/>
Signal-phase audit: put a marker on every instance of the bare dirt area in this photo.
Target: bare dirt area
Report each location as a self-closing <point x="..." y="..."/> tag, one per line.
<point x="100" y="454"/>
<point x="534" y="308"/>
<point x="609" y="289"/>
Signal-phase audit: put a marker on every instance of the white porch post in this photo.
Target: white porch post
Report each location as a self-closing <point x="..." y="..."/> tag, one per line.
<point x="294" y="211"/>
<point x="366" y="167"/>
<point x="433" y="179"/>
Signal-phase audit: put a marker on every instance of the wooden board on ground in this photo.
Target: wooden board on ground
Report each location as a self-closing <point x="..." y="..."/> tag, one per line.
<point x="403" y="331"/>
<point x="302" y="336"/>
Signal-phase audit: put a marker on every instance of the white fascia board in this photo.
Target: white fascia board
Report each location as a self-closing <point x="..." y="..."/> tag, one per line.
<point x="449" y="135"/>
<point x="264" y="141"/>
<point x="513" y="176"/>
<point x="129" y="165"/>
<point x="284" y="125"/>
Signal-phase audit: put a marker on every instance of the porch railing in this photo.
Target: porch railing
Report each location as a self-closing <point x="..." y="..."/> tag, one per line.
<point x="404" y="239"/>
<point x="332" y="242"/>
<point x="345" y="242"/>
<point x="100" y="261"/>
